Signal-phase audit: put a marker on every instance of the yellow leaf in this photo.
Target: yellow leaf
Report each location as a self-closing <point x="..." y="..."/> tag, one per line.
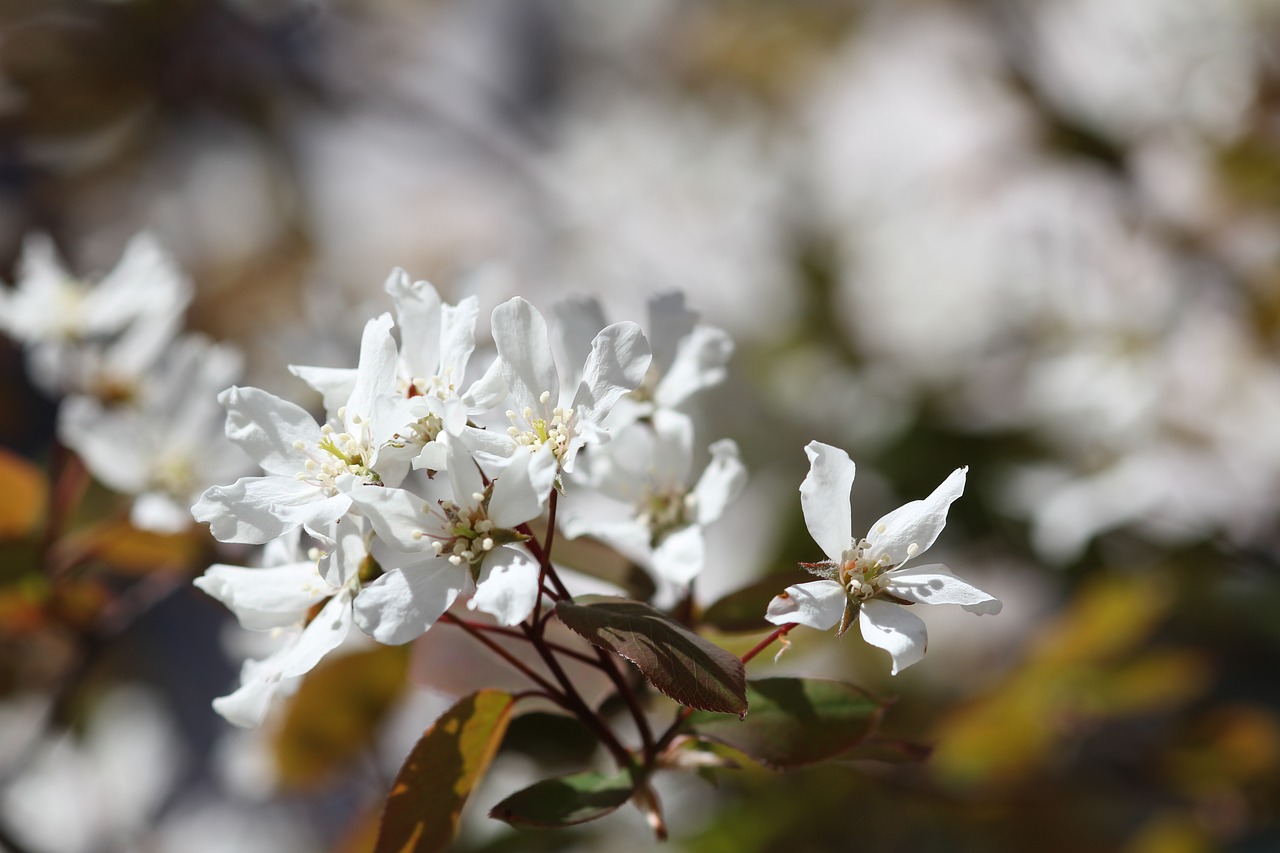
<point x="24" y="494"/>
<point x="336" y="713"/>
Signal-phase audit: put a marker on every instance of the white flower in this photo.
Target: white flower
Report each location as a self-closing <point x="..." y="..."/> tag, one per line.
<point x="462" y="542"/>
<point x="168" y="445"/>
<point x="866" y="579"/>
<point x="548" y="424"/>
<point x="306" y="464"/>
<point x="688" y="356"/>
<point x="436" y="343"/>
<point x="647" y="468"/>
<point x="283" y="597"/>
<point x="94" y="338"/>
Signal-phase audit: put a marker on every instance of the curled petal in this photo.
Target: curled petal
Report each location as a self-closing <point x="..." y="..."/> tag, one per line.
<point x="824" y="496"/>
<point x="266" y="427"/>
<point x="254" y="510"/>
<point x="915" y="524"/>
<point x="818" y="604"/>
<point x="268" y="598"/>
<point x="721" y="482"/>
<point x="618" y="362"/>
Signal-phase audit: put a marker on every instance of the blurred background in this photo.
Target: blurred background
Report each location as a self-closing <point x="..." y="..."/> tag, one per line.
<point x="1038" y="238"/>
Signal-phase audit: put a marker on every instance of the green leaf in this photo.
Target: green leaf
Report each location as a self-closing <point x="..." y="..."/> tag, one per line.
<point x="743" y="610"/>
<point x="337" y="711"/>
<point x="567" y="800"/>
<point x="795" y="721"/>
<point x="551" y="737"/>
<point x="691" y="670"/>
<point x="421" y="814"/>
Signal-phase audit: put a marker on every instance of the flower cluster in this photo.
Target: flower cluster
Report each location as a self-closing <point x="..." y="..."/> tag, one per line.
<point x="138" y="393"/>
<point x="419" y="487"/>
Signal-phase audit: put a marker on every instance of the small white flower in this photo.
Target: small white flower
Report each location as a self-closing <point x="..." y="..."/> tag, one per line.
<point x="168" y="445"/>
<point x="688" y="356"/>
<point x="307" y="466"/>
<point x="436" y="343"/>
<point x="94" y="338"/>
<point x="284" y="597"/>
<point x="468" y="540"/>
<point x="866" y="579"/>
<point x="548" y="424"/>
<point x="647" y="467"/>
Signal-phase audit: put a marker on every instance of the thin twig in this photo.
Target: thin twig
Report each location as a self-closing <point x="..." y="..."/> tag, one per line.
<point x="524" y="670"/>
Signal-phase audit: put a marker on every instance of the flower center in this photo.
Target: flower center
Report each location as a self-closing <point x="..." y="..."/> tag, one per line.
<point x="664" y="511"/>
<point x="338" y="453"/>
<point x="464" y="534"/>
<point x="551" y="430"/>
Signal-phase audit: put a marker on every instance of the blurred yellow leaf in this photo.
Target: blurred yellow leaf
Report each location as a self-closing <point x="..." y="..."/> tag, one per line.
<point x="1170" y="833"/>
<point x="336" y="713"/>
<point x="126" y="549"/>
<point x="1107" y="618"/>
<point x="1085" y="668"/>
<point x="24" y="494"/>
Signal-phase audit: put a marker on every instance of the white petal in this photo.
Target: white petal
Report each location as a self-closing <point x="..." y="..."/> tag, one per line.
<point x="670" y="322"/>
<point x="681" y="555"/>
<point x="934" y="584"/>
<point x="418" y="313"/>
<point x="917" y="523"/>
<point x="508" y="588"/>
<point x="458" y="337"/>
<point x="158" y="512"/>
<point x="266" y="427"/>
<point x="262" y="599"/>
<point x="376" y="372"/>
<point x="488" y="391"/>
<point x="895" y="629"/>
<point x="254" y="510"/>
<point x="113" y="443"/>
<point x="617" y="364"/>
<point x="520" y="490"/>
<point x="402" y="604"/>
<point x="818" y="604"/>
<point x="721" y="482"/>
<point x="672" y="456"/>
<point x="520" y="334"/>
<point x="395" y="515"/>
<point x="699" y="363"/>
<point x="824" y="496"/>
<point x="322" y="635"/>
<point x="247" y="707"/>
<point x="434" y="456"/>
<point x="334" y="384"/>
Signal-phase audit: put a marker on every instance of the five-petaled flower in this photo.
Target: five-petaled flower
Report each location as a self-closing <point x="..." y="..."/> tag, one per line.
<point x="864" y="579"/>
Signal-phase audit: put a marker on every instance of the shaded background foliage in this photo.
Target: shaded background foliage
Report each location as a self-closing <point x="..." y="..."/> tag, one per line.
<point x="1039" y="239"/>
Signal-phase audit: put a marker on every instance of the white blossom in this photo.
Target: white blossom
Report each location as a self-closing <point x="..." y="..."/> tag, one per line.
<point x="283" y="598"/>
<point x="94" y="338"/>
<point x="458" y="544"/>
<point x="168" y="445"/>
<point x="646" y="469"/>
<point x="306" y="465"/>
<point x="865" y="578"/>
<point x="553" y="421"/>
